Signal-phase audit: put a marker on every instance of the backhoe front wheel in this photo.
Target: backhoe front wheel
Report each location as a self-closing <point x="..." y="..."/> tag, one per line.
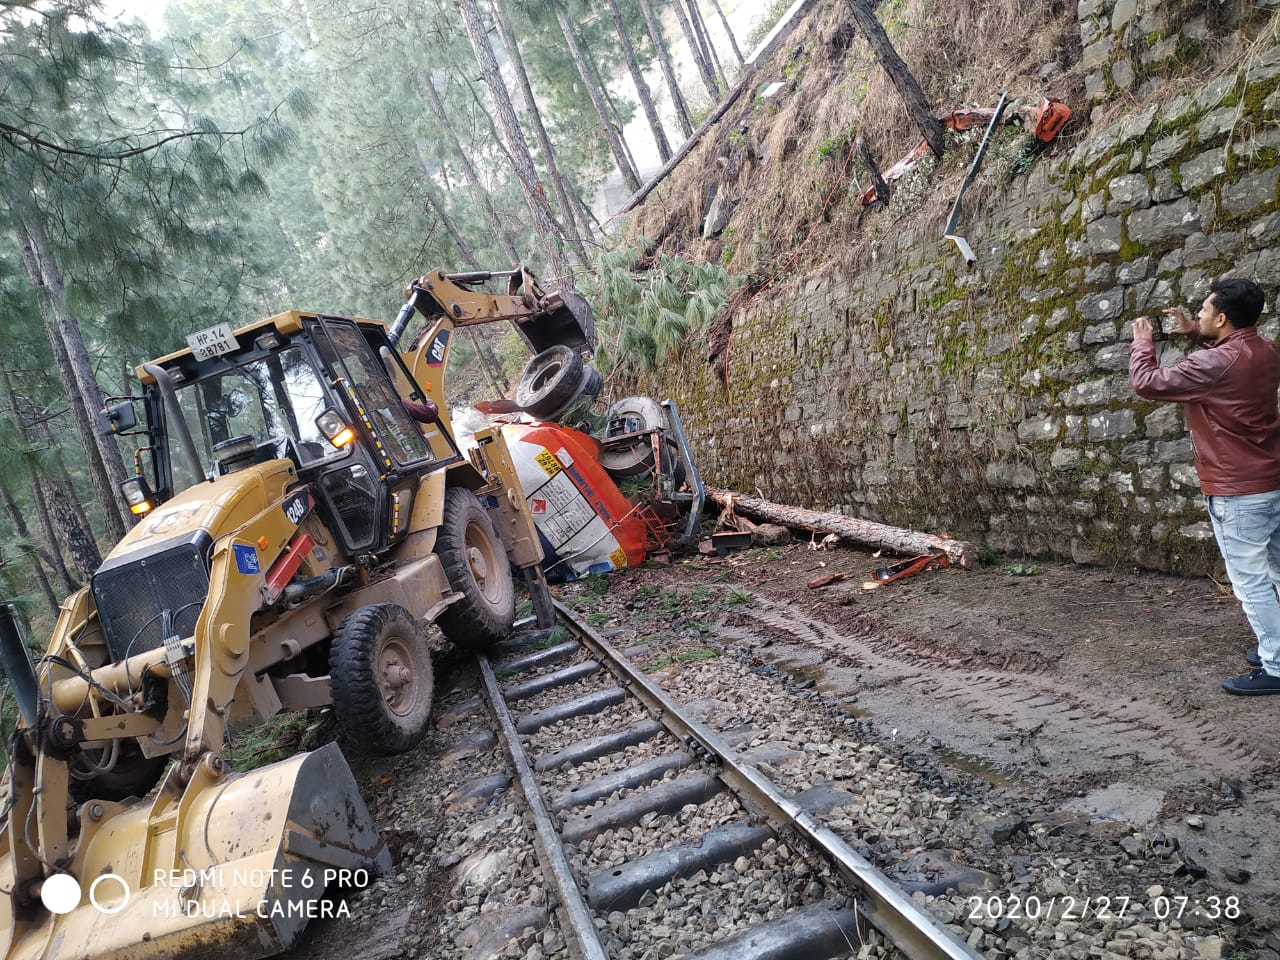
<point x="380" y="679"/>
<point x="476" y="564"/>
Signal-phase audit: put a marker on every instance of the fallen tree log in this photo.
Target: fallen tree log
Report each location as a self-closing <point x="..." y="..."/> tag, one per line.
<point x="879" y="535"/>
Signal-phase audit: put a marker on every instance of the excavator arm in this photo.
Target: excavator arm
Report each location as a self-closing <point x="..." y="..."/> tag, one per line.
<point x="543" y="320"/>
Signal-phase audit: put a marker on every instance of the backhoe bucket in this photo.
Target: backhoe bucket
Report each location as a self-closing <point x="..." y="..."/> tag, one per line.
<point x="230" y="866"/>
<point x="567" y="321"/>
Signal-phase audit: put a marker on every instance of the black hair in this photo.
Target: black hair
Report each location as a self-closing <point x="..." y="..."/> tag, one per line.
<point x="1241" y="300"/>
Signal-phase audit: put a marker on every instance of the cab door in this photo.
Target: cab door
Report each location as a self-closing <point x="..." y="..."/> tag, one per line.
<point x="371" y="493"/>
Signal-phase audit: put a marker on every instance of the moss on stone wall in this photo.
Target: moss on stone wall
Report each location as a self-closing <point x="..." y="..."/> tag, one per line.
<point x="993" y="402"/>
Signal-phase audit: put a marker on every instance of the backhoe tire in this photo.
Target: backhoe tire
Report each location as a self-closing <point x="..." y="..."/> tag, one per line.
<point x="475" y="561"/>
<point x="380" y="679"/>
<point x="551" y="380"/>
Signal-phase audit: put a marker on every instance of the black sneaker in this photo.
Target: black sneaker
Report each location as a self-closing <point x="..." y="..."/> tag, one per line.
<point x="1256" y="684"/>
<point x="1252" y="658"/>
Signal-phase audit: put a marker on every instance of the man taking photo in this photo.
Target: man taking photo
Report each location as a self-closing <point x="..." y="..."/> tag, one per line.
<point x="1229" y="394"/>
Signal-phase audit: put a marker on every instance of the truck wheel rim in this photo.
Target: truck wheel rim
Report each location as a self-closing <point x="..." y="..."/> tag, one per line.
<point x="482" y="560"/>
<point x="397" y="676"/>
<point x="545" y="376"/>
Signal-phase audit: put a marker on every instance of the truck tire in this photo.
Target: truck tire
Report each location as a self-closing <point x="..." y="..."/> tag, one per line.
<point x="380" y="679"/>
<point x="475" y="561"/>
<point x="551" y="380"/>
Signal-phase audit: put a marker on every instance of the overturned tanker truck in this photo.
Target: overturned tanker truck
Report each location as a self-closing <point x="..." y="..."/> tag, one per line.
<point x="306" y="511"/>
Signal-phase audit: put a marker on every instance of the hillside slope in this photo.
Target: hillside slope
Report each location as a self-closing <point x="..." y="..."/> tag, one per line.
<point x="865" y="367"/>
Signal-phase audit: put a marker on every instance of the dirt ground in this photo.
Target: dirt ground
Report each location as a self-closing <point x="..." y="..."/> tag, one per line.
<point x="1084" y="690"/>
<point x="1073" y="714"/>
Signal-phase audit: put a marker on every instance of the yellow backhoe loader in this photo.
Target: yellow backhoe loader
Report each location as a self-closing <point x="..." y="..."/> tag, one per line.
<point x="305" y="511"/>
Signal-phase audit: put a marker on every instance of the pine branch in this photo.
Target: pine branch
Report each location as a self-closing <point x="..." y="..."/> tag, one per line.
<point x="22" y="139"/>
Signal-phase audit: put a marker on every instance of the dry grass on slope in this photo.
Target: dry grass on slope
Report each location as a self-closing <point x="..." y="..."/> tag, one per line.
<point x="785" y="161"/>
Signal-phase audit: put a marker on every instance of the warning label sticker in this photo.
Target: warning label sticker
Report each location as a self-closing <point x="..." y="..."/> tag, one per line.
<point x="546" y="459"/>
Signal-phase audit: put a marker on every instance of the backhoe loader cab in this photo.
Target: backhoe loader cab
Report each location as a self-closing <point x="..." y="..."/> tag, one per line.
<point x="324" y="393"/>
<point x="299" y="527"/>
<point x="304" y="513"/>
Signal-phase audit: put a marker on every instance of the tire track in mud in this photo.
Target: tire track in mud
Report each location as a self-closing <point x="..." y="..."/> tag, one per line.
<point x="1152" y="733"/>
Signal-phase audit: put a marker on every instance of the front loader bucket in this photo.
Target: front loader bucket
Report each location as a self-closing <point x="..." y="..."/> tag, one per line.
<point x="231" y="867"/>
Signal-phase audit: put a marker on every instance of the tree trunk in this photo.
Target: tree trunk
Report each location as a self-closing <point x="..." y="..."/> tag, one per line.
<point x="465" y="253"/>
<point x="614" y="114"/>
<point x="57" y="511"/>
<point x="873" y="170"/>
<point x="539" y="129"/>
<point x="668" y="68"/>
<point x="478" y="189"/>
<point x="558" y="228"/>
<point x="20" y="527"/>
<point x="74" y="369"/>
<point x="90" y="394"/>
<point x="78" y="541"/>
<point x="597" y="100"/>
<point x="483" y="358"/>
<point x="580" y="223"/>
<point x="39" y="498"/>
<point x="729" y="33"/>
<point x="584" y="215"/>
<point x="897" y="539"/>
<point x="704" y="67"/>
<point x="900" y="75"/>
<point x="63" y="485"/>
<point x="642" y="88"/>
<point x="704" y="41"/>
<point x="517" y="146"/>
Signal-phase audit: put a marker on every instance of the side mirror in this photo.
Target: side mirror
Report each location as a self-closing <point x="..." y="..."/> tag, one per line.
<point x="117" y="418"/>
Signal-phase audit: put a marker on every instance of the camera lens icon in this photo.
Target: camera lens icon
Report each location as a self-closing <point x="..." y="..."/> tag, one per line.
<point x="60" y="893"/>
<point x="109" y="893"/>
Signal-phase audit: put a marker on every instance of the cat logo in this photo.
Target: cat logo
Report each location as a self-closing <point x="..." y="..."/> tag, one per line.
<point x="435" y="356"/>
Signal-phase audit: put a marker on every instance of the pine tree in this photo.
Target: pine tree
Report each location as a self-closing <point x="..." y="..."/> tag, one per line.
<point x="642" y="88"/>
<point x="100" y="184"/>
<point x="586" y="74"/>
<point x="514" y="137"/>
<point x="567" y="213"/>
<point x="695" y="49"/>
<point x="668" y="68"/>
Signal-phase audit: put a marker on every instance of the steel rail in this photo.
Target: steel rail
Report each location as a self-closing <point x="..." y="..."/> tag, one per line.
<point x="581" y="925"/>
<point x="882" y="902"/>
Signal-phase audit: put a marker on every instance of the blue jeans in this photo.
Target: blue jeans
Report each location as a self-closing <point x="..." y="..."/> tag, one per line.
<point x="1248" y="531"/>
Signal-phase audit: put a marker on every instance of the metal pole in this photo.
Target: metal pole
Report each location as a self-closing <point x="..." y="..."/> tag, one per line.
<point x="949" y="233"/>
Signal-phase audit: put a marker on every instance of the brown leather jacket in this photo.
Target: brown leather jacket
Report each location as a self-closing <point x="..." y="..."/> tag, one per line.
<point x="1230" y="396"/>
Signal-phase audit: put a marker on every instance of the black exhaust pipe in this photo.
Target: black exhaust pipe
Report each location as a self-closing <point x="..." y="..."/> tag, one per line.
<point x="15" y="660"/>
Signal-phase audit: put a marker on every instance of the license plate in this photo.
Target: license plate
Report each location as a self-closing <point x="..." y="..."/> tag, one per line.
<point x="213" y="342"/>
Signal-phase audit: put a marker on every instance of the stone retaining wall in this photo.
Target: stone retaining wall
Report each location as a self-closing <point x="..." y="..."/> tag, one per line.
<point x="993" y="402"/>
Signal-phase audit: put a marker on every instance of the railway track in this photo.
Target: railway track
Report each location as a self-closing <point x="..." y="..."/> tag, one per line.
<point x="667" y="774"/>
